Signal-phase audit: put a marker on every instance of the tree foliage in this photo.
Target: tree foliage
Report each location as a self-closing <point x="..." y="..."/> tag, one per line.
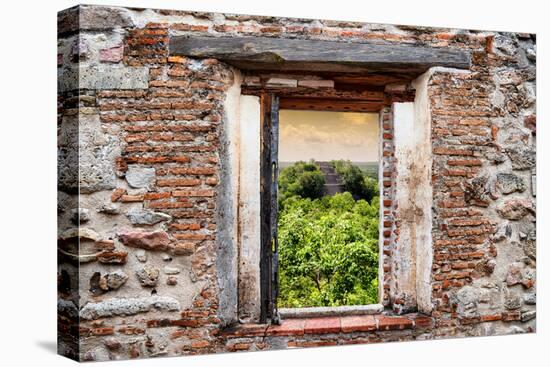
<point x="356" y="181"/>
<point x="301" y="179"/>
<point x="328" y="245"/>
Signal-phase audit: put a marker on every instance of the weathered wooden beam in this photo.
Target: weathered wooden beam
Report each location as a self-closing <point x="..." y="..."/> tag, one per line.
<point x="262" y="53"/>
<point x="328" y="93"/>
<point x="323" y="104"/>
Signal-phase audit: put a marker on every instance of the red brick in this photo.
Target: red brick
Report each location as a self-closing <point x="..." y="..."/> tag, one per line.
<point x="358" y="323"/>
<point x="393" y="323"/>
<point x="452" y="151"/>
<point x="192" y="171"/>
<point x="156" y="195"/>
<point x="320" y="325"/>
<point x="246" y="330"/>
<point x="200" y="344"/>
<point x="239" y="346"/>
<point x="183" y="248"/>
<point x="199" y="193"/>
<point x="169" y="205"/>
<point x="179" y="182"/>
<point x="190" y="236"/>
<point x="423" y="322"/>
<point x="131" y="330"/>
<point x="184" y="226"/>
<point x="496" y="317"/>
<point x="117" y="194"/>
<point x="131" y="198"/>
<point x="287" y="328"/>
<point x="102" y="331"/>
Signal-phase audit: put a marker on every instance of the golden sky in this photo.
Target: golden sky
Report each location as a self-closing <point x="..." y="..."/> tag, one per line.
<point x="325" y="136"/>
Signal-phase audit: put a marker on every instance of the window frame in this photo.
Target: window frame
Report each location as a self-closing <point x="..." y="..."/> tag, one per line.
<point x="270" y="105"/>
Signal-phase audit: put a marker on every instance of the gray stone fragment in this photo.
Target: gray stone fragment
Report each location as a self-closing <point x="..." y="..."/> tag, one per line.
<point x="65" y="201"/>
<point x="111" y="77"/>
<point x="80" y="215"/>
<point x="530" y="298"/>
<point x="140" y="177"/>
<point x="146" y="217"/>
<point x="148" y="276"/>
<point x="171" y="270"/>
<point x="103" y="18"/>
<point x="98" y="354"/>
<point x="66" y="307"/>
<point x="528" y="315"/>
<point x="86" y="233"/>
<point x="96" y="156"/>
<point x="516" y="209"/>
<point x="100" y="284"/>
<point x="466" y="299"/>
<point x="512" y="302"/>
<point x="521" y="156"/>
<point x="330" y="311"/>
<point x="509" y="183"/>
<point x="516" y="330"/>
<point x="531" y="53"/>
<point x="109" y="208"/>
<point x="67" y="153"/>
<point x="505" y="44"/>
<point x="478" y="190"/>
<point x="515" y="274"/>
<point x="496" y="157"/>
<point x="102" y="77"/>
<point x="141" y="255"/>
<point x="127" y="306"/>
<point x="115" y="279"/>
<point x="530" y="244"/>
<point x="503" y="231"/>
<point x="112" y="343"/>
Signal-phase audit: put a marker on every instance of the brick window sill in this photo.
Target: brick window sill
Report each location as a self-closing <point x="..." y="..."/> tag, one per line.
<point x="332" y="325"/>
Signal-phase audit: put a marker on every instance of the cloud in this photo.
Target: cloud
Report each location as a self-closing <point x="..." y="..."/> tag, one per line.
<point x="328" y="135"/>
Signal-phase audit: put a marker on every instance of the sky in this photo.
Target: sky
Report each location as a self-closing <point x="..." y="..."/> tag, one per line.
<point x="325" y="136"/>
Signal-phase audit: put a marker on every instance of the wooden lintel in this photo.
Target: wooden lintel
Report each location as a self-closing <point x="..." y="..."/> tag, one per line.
<point x="262" y="53"/>
<point x="323" y="104"/>
<point x="307" y="93"/>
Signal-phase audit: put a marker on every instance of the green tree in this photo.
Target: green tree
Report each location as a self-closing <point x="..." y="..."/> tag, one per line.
<point x="301" y="179"/>
<point x="328" y="251"/>
<point x="356" y="181"/>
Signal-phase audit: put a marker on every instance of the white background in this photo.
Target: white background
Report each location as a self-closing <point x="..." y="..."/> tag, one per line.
<point x="28" y="182"/>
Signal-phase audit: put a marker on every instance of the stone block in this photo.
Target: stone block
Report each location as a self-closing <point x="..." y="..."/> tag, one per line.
<point x="509" y="183"/>
<point x="153" y="241"/>
<point x="140" y="177"/>
<point x="146" y="217"/>
<point x="102" y="77"/>
<point x="99" y="18"/>
<point x="111" y="54"/>
<point x="127" y="306"/>
<point x="516" y="209"/>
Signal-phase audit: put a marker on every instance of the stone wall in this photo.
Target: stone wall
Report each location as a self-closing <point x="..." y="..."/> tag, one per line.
<point x="147" y="188"/>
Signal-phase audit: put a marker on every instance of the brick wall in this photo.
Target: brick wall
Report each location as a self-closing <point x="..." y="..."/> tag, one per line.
<point x="139" y="233"/>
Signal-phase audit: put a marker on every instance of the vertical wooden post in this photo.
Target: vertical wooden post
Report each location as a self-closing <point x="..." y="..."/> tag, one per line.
<point x="274" y="207"/>
<point x="268" y="207"/>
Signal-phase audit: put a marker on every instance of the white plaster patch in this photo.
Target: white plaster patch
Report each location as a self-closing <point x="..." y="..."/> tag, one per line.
<point x="249" y="209"/>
